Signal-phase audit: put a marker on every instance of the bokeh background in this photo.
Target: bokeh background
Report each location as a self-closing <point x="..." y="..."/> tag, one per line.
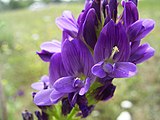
<point x="24" y="25"/>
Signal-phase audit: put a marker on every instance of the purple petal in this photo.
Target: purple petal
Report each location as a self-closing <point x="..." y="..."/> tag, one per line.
<point x="38" y="85"/>
<point x="42" y="98"/>
<point x="68" y="15"/>
<point x="134" y="46"/>
<point x="67" y="23"/>
<point x="45" y="56"/>
<point x="123" y="70"/>
<point x="122" y="43"/>
<point x="105" y="43"/>
<point x="86" y="87"/>
<point x="108" y="12"/>
<point x="96" y="4"/>
<point x="113" y="8"/>
<point x="89" y="28"/>
<point x="77" y="58"/>
<point x="143" y="53"/>
<point x="130" y="13"/>
<point x="65" y="85"/>
<point x="135" y="2"/>
<point x="140" y="29"/>
<point x="45" y="78"/>
<point x="105" y="92"/>
<point x="108" y="68"/>
<point x="97" y="70"/>
<point x="55" y="96"/>
<point x="51" y="47"/>
<point x="56" y="68"/>
<point x="72" y="97"/>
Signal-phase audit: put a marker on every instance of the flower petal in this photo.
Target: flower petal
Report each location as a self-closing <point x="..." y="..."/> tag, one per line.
<point x="65" y="85"/>
<point x="143" y="53"/>
<point x="42" y="98"/>
<point x="55" y="96"/>
<point x="67" y="23"/>
<point x="56" y="68"/>
<point x="86" y="87"/>
<point x="135" y="2"/>
<point x="51" y="47"/>
<point x="77" y="58"/>
<point x="38" y="85"/>
<point x="45" y="78"/>
<point x="123" y="70"/>
<point x="113" y="8"/>
<point x="122" y="42"/>
<point x="140" y="29"/>
<point x="105" y="43"/>
<point x="97" y="70"/>
<point x="130" y="13"/>
<point x="89" y="28"/>
<point x="45" y="56"/>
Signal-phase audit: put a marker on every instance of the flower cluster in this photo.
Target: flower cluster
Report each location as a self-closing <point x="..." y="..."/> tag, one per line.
<point x="96" y="48"/>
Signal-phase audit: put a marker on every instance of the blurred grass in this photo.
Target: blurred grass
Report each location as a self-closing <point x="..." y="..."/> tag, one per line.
<point x="21" y="33"/>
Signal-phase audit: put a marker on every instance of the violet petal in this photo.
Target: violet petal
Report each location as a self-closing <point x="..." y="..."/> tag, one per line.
<point x="97" y="70"/>
<point x="42" y="98"/>
<point x="143" y="53"/>
<point x="140" y="29"/>
<point x="123" y="70"/>
<point x="65" y="85"/>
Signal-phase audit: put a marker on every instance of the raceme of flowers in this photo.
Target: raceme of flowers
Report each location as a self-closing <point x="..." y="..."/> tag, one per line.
<point x="95" y="48"/>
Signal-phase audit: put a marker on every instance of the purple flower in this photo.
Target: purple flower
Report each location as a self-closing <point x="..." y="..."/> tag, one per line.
<point x="87" y="25"/>
<point x="48" y="49"/>
<point x="50" y="96"/>
<point x="112" y="52"/>
<point x="42" y="84"/>
<point x="104" y="92"/>
<point x="77" y="61"/>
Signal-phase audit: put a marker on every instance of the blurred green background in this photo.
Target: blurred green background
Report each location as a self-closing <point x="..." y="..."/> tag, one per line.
<point x="23" y="30"/>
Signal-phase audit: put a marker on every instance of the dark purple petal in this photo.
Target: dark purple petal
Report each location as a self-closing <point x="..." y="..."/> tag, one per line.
<point x="140" y="29"/>
<point x="122" y="44"/>
<point x="56" y="68"/>
<point x="97" y="70"/>
<point x="123" y="70"/>
<point x="105" y="92"/>
<point x="27" y="115"/>
<point x="143" y="53"/>
<point x="72" y="97"/>
<point x="113" y="8"/>
<point x="66" y="107"/>
<point x="89" y="28"/>
<point x="135" y="2"/>
<point x="45" y="56"/>
<point x="96" y="4"/>
<point x="130" y="13"/>
<point x="83" y="106"/>
<point x="55" y="96"/>
<point x="105" y="43"/>
<point x="108" y="13"/>
<point x="65" y="85"/>
<point x="77" y="58"/>
<point x="104" y="4"/>
<point x="42" y="98"/>
<point x="86" y="87"/>
<point x="134" y="46"/>
<point x="51" y="47"/>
